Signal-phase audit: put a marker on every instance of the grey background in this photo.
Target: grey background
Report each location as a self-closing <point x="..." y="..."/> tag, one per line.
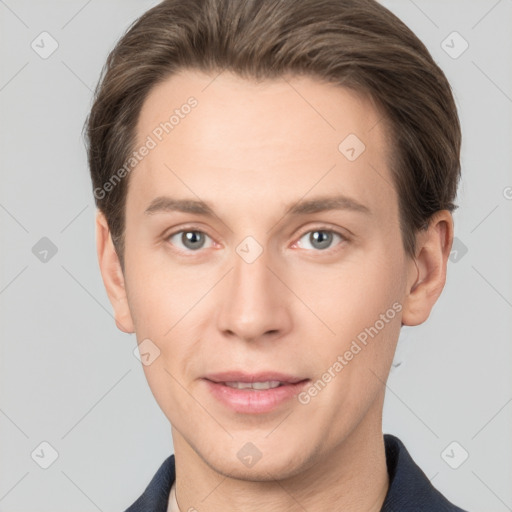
<point x="69" y="377"/>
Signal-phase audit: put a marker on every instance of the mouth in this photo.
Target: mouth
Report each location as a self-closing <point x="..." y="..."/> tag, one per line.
<point x="254" y="393"/>
<point x="269" y="384"/>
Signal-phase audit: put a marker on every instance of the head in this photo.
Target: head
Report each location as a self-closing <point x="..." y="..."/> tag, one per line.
<point x="247" y="116"/>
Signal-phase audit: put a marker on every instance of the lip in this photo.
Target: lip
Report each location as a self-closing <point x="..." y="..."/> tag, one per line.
<point x="239" y="376"/>
<point x="250" y="401"/>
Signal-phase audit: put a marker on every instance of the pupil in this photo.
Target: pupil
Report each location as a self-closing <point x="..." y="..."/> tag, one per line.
<point x="192" y="238"/>
<point x="321" y="238"/>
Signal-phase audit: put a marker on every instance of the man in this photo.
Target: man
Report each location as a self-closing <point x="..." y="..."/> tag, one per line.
<point x="274" y="182"/>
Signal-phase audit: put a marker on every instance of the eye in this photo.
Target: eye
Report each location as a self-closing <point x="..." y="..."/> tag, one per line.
<point x="190" y="240"/>
<point x="320" y="238"/>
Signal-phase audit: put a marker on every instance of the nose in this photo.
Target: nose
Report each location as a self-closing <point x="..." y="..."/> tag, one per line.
<point x="254" y="302"/>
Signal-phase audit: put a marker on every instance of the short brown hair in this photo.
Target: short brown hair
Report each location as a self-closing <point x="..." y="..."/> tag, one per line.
<point x="358" y="44"/>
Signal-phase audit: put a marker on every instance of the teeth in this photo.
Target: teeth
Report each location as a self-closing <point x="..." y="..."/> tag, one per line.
<point x="254" y="385"/>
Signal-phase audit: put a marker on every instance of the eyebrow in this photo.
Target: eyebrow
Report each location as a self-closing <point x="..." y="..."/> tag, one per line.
<point x="164" y="204"/>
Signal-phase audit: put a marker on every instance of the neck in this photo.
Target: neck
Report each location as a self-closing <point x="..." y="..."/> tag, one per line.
<point x="351" y="477"/>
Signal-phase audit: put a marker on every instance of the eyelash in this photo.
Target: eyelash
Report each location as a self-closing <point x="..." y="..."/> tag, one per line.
<point x="326" y="229"/>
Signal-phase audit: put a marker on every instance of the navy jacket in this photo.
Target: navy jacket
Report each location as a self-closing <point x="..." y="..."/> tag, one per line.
<point x="409" y="488"/>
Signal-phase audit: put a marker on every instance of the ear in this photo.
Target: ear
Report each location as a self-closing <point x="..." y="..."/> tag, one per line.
<point x="112" y="275"/>
<point x="427" y="275"/>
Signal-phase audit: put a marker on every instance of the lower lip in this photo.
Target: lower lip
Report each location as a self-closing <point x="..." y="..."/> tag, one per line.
<point x="250" y="401"/>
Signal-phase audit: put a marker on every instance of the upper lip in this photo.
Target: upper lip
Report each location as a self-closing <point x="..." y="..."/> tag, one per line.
<point x="239" y="376"/>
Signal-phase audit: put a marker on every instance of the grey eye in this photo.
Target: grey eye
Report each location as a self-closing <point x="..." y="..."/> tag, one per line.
<point x="189" y="239"/>
<point x="320" y="238"/>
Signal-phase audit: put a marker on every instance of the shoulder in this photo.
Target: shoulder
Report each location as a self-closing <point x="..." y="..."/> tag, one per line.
<point x="156" y="495"/>
<point x="409" y="487"/>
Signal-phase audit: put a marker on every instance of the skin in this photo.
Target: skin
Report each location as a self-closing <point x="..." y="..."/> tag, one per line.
<point x="250" y="150"/>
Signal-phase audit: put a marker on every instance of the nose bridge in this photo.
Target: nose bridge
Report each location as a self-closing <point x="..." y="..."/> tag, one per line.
<point x="251" y="274"/>
<point x="252" y="303"/>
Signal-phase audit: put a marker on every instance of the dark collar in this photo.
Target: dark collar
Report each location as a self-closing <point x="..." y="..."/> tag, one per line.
<point x="409" y="488"/>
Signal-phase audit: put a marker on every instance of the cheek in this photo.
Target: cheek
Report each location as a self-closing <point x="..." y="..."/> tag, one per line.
<point x="168" y="305"/>
<point x="166" y="310"/>
<point x="354" y="295"/>
<point x="161" y="292"/>
<point x="361" y="303"/>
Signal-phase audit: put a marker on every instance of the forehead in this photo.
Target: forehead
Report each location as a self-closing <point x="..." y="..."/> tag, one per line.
<point x="236" y="102"/>
<point x="290" y="134"/>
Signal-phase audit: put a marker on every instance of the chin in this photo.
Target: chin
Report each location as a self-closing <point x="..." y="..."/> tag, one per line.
<point x="250" y="464"/>
<point x="261" y="472"/>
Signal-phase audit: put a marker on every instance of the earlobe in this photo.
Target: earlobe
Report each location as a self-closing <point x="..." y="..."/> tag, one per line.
<point x="112" y="275"/>
<point x="428" y="268"/>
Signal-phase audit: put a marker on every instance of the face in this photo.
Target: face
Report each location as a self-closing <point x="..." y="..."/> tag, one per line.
<point x="263" y="244"/>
